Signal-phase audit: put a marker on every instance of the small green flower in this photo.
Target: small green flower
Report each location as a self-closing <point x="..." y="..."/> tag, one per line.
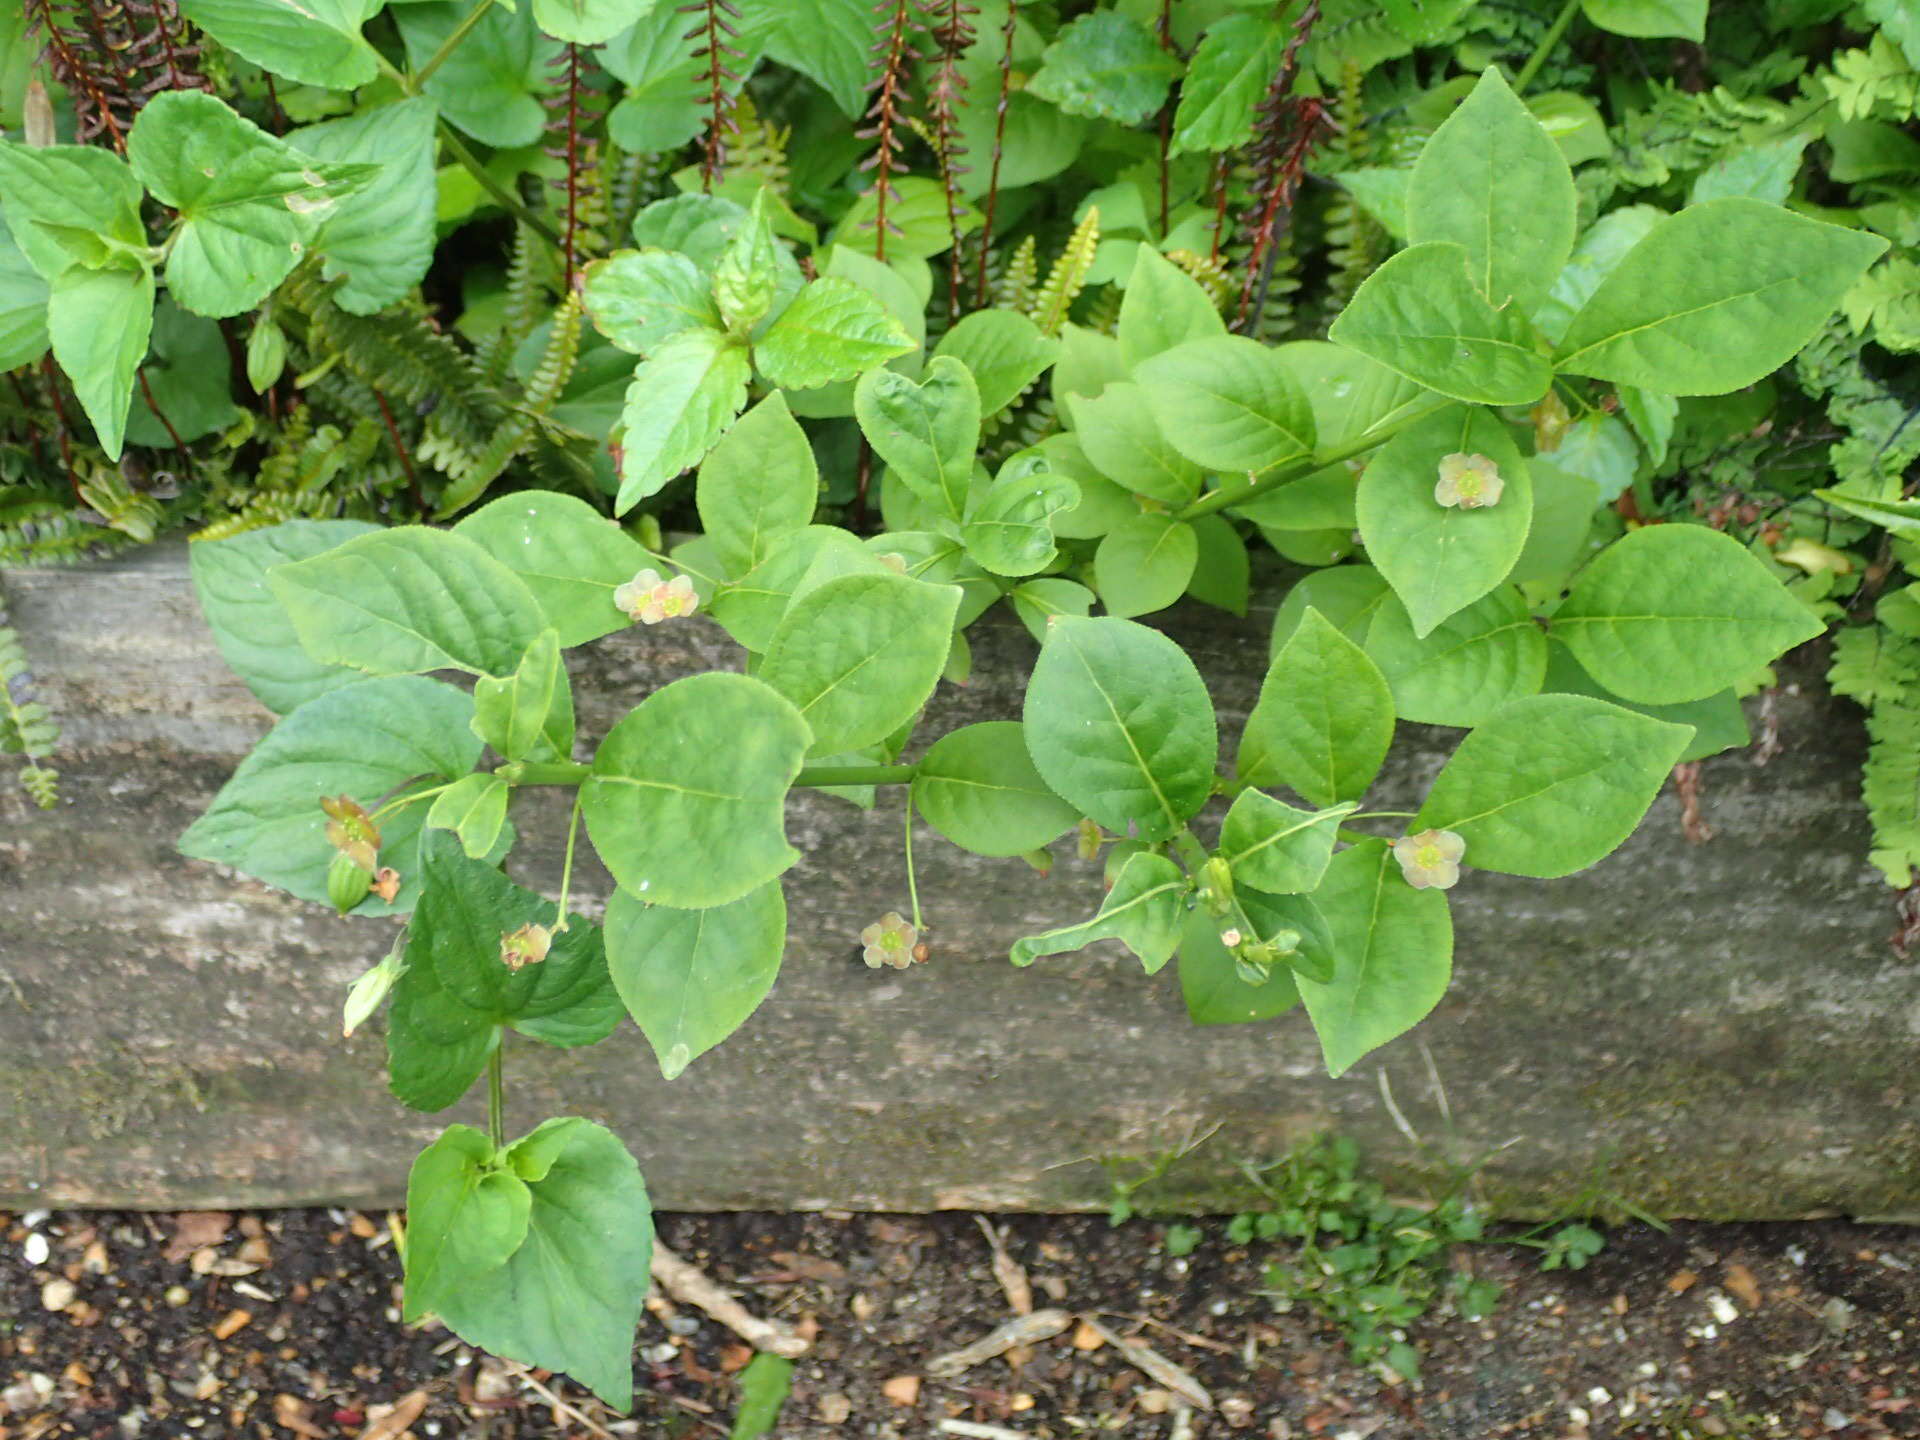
<point x="526" y="946"/>
<point x="649" y="598"/>
<point x="1431" y="859"/>
<point x="889" y="941"/>
<point x="1468" y="481"/>
<point x="351" y="831"/>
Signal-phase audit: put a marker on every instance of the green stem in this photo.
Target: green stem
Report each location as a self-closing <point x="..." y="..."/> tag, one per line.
<point x="544" y="772"/>
<point x="822" y="776"/>
<point x="1228" y="495"/>
<point x="1545" y="48"/>
<point x="497" y="1094"/>
<point x="913" y="884"/>
<point x="566" y="870"/>
<point x="502" y="197"/>
<point x="450" y="44"/>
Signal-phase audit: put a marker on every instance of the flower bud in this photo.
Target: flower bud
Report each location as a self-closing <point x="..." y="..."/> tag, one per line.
<point x="526" y="946"/>
<point x="347" y="882"/>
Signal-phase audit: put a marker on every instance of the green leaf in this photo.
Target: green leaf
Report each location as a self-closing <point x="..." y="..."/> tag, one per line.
<point x="1324" y="719"/>
<point x="1003" y="350"/>
<point x="1472" y="663"/>
<point x="1229" y="72"/>
<point x="23" y="306"/>
<point x="1210" y="981"/>
<point x="1671" y="613"/>
<point x="378" y="245"/>
<point x="758" y="486"/>
<point x="661" y="109"/>
<point x="833" y="330"/>
<point x="1441" y="558"/>
<point x="588" y="22"/>
<point x="365" y="740"/>
<point x="1119" y="724"/>
<point x="690" y="978"/>
<point x="1420" y="314"/>
<point x="567" y="553"/>
<point x="1563" y="506"/>
<point x="98" y="322"/>
<point x="681" y="401"/>
<point x="316" y="42"/>
<point x="1010" y="532"/>
<point x="407" y="600"/>
<point x="1276" y="848"/>
<point x="1607" y="242"/>
<point x="1223" y="573"/>
<point x="492" y="84"/>
<point x="978" y="787"/>
<point x="826" y="40"/>
<point x="190" y="377"/>
<point x="73" y="187"/>
<point x="1145" y="564"/>
<point x="1036" y="602"/>
<point x="747" y="276"/>
<point x="249" y="204"/>
<point x="640" y="298"/>
<point x="1898" y="517"/>
<point x="1123" y="442"/>
<point x="1106" y="66"/>
<point x="918" y="223"/>
<point x="1162" y="307"/>
<point x="1715" y="298"/>
<point x="1228" y="403"/>
<point x="1719" y="722"/>
<point x="764" y="1385"/>
<point x="1350" y="394"/>
<point x="1145" y="910"/>
<point x="464" y="1218"/>
<point x="255" y="635"/>
<point x="750" y="609"/>
<point x="1552" y="784"/>
<point x="1348" y="595"/>
<point x="467" y="907"/>
<point x="1395" y="955"/>
<point x="1492" y="181"/>
<point x="682" y="821"/>
<point x="570" y="1298"/>
<point x="927" y="431"/>
<point x="1764" y="172"/>
<point x="859" y="655"/>
<point x="1650" y="19"/>
<point x="474" y="807"/>
<point x="529" y="714"/>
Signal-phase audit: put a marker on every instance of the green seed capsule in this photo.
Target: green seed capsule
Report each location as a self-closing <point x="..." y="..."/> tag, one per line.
<point x="347" y="883"/>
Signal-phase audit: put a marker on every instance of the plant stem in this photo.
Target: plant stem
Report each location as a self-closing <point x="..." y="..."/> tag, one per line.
<point x="913" y="884"/>
<point x="1246" y="490"/>
<point x="497" y="1095"/>
<point x="544" y="772"/>
<point x="819" y="776"/>
<point x="502" y="197"/>
<point x="450" y="44"/>
<point x="566" y="870"/>
<point x="1545" y="48"/>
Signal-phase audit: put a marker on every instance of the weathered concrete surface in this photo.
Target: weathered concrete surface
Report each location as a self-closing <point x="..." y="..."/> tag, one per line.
<point x="1707" y="1030"/>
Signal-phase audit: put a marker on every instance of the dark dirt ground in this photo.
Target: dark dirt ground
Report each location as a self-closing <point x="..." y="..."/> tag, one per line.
<point x="277" y="1324"/>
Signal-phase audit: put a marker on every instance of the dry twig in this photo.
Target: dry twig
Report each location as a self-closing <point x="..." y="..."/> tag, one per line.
<point x="686" y="1283"/>
<point x="1022" y="1330"/>
<point x="1145" y="1358"/>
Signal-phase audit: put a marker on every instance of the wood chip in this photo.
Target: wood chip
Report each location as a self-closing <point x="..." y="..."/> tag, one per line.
<point x="195" y="1229"/>
<point x="1013" y="1280"/>
<point x="1682" y="1281"/>
<point x="1739" y="1280"/>
<point x="232" y="1323"/>
<point x="1086" y="1338"/>
<point x="1155" y="1365"/>
<point x="390" y="1422"/>
<point x="688" y="1285"/>
<point x="902" y="1390"/>
<point x="833" y="1408"/>
<point x="1021" y="1330"/>
<point x="979" y="1432"/>
<point x="290" y="1412"/>
<point x="362" y="1226"/>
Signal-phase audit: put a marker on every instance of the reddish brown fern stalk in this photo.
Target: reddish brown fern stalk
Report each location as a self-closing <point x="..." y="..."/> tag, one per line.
<point x="893" y="54"/>
<point x="715" y="31"/>
<point x="113" y="56"/>
<point x="573" y="109"/>
<point x="952" y="31"/>
<point x="1007" y="33"/>
<point x="1286" y="128"/>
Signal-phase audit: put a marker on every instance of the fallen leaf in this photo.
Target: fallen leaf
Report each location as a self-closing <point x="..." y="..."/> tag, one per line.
<point x="290" y="1412"/>
<point x="195" y="1229"/>
<point x="1682" y="1281"/>
<point x="809" y="1267"/>
<point x="1087" y="1338"/>
<point x="1740" y="1281"/>
<point x="232" y="1323"/>
<point x="390" y="1422"/>
<point x="902" y="1390"/>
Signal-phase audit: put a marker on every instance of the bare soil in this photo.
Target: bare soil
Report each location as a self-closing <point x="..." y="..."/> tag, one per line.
<point x="120" y="1326"/>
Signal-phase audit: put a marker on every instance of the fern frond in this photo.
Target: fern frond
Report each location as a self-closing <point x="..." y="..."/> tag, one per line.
<point x="26" y="727"/>
<point x="1068" y="277"/>
<point x="1013" y="287"/>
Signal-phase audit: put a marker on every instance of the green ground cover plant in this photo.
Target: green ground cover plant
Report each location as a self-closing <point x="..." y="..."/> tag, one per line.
<point x="438" y="320"/>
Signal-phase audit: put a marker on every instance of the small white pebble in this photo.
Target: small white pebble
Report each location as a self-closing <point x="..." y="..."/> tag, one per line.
<point x="34" y="1219"/>
<point x="1599" y="1396"/>
<point x="1578" y="1416"/>
<point x="1796" y="1254"/>
<point x="1724" y="1310"/>
<point x="1834" y="1420"/>
<point x="1649" y="1369"/>
<point x="36" y="1249"/>
<point x="57" y="1294"/>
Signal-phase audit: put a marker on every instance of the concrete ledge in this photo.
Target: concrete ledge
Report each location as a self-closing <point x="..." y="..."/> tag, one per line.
<point x="1715" y="1030"/>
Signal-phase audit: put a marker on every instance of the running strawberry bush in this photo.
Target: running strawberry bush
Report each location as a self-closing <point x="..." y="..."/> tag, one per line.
<point x="1087" y="449"/>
